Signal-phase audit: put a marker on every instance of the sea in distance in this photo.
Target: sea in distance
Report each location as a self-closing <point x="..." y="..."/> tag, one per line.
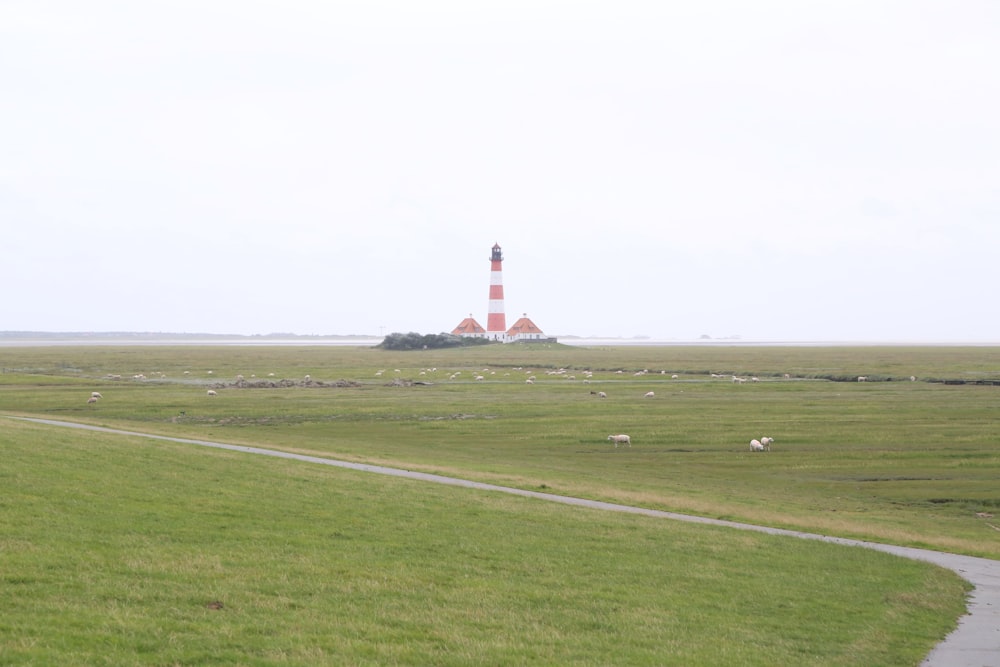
<point x="51" y="339"/>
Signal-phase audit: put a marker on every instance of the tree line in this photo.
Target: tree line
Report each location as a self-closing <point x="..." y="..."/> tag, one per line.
<point x="416" y="341"/>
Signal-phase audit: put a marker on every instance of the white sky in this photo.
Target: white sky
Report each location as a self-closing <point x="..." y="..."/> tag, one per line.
<point x="824" y="170"/>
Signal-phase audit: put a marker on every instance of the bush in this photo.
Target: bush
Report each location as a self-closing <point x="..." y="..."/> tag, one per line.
<point x="415" y="341"/>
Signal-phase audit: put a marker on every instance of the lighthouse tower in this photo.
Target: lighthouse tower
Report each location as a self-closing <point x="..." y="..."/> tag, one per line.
<point x="496" y="322"/>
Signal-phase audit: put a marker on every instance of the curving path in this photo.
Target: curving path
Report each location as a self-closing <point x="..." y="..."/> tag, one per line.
<point x="974" y="643"/>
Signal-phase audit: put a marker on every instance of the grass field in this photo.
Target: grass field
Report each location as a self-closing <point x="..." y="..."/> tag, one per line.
<point x="342" y="568"/>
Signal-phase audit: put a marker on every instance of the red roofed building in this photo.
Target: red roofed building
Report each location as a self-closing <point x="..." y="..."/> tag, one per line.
<point x="525" y="329"/>
<point x="469" y="327"/>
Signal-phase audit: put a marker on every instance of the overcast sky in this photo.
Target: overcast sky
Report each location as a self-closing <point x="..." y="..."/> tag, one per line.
<point x="800" y="171"/>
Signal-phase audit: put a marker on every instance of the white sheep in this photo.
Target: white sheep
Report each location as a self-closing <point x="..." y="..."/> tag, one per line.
<point x="601" y="394"/>
<point x="756" y="446"/>
<point x="96" y="394"/>
<point x="649" y="394"/>
<point x="621" y="439"/>
<point x="92" y="399"/>
<point x="212" y="392"/>
<point x="766" y="443"/>
<point x="862" y="378"/>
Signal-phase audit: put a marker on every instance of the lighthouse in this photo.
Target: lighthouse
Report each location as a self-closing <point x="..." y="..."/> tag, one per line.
<point x="496" y="322"/>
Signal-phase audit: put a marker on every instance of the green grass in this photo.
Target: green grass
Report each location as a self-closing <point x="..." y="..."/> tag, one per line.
<point x="405" y="574"/>
<point x="114" y="550"/>
<point x="895" y="461"/>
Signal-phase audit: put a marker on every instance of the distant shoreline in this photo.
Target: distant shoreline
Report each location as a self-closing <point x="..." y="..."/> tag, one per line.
<point x="53" y="339"/>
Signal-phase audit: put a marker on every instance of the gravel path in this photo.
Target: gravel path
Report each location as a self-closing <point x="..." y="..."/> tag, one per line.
<point x="974" y="643"/>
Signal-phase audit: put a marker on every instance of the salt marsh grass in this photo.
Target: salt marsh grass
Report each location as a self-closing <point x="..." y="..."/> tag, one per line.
<point x="114" y="547"/>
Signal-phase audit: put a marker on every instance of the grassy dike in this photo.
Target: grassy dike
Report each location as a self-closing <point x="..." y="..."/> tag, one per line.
<point x="114" y="549"/>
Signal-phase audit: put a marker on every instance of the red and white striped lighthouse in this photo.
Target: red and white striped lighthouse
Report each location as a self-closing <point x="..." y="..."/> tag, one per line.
<point x="496" y="322"/>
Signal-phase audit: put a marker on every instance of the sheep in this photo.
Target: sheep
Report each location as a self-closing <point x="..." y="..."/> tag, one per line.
<point x="96" y="394"/>
<point x="621" y="439"/>
<point x="212" y="392"/>
<point x="601" y="394"/>
<point x="862" y="378"/>
<point x="766" y="442"/>
<point x="756" y="446"/>
<point x="649" y="394"/>
<point x="92" y="399"/>
<point x="529" y="381"/>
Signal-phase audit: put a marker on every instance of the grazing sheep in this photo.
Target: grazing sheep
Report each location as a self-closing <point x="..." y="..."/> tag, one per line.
<point x="92" y="399"/>
<point x="766" y="443"/>
<point x="529" y="381"/>
<point x="96" y="394"/>
<point x="755" y="446"/>
<point x="601" y="394"/>
<point x="212" y="392"/>
<point x="862" y="378"/>
<point x="649" y="394"/>
<point x="621" y="439"/>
